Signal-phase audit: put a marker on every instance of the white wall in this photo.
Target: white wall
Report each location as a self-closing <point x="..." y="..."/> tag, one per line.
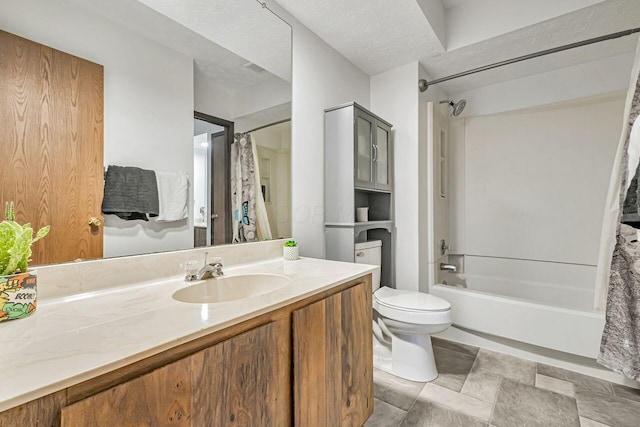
<point x="211" y="99"/>
<point x="396" y="98"/>
<point x="323" y="78"/>
<point x="148" y="102"/>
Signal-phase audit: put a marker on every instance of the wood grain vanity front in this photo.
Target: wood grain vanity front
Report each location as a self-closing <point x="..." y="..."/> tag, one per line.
<point x="308" y="364"/>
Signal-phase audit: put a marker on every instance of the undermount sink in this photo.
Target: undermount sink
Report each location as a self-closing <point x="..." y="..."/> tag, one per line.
<point x="232" y="288"/>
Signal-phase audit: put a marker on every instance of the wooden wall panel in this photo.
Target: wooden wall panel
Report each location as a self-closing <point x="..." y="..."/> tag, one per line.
<point x="51" y="110"/>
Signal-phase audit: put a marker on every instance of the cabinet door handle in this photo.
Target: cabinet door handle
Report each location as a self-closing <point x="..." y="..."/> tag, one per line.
<point x="375" y="153"/>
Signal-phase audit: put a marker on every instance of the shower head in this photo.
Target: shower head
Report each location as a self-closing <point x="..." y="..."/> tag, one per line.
<point x="457" y="107"/>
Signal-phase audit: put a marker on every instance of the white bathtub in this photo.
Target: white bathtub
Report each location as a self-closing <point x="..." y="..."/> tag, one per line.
<point x="492" y="298"/>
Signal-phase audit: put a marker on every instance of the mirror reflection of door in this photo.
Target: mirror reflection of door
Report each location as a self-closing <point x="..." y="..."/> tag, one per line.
<point x="211" y="204"/>
<point x="51" y="133"/>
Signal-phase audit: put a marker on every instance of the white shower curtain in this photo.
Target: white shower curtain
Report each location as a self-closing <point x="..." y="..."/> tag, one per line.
<point x="249" y="214"/>
<point x="612" y="206"/>
<point x="620" y="248"/>
<point x="262" y="219"/>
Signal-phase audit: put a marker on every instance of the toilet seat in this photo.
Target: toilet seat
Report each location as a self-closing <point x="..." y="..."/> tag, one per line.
<point x="409" y="300"/>
<point x="411" y="307"/>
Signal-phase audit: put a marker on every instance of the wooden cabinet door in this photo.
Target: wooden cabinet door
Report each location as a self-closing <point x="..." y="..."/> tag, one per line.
<point x="51" y="146"/>
<point x="333" y="360"/>
<point x="244" y="381"/>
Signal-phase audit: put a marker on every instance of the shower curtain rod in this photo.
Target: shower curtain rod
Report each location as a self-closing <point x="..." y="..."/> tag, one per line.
<point x="269" y="125"/>
<point x="424" y="84"/>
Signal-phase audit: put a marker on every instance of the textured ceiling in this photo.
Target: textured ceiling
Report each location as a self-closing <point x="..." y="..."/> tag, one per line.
<point x="375" y="35"/>
<point x="380" y="35"/>
<point x="600" y="19"/>
<point x="219" y="66"/>
<point x="241" y="26"/>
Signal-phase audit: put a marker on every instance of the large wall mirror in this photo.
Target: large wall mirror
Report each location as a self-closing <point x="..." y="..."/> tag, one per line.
<point x="97" y="97"/>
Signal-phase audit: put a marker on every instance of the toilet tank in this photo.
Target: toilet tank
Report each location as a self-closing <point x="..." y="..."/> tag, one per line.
<point x="370" y="253"/>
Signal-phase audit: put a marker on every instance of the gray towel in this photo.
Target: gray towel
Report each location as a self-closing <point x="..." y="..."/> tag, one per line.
<point x="130" y="193"/>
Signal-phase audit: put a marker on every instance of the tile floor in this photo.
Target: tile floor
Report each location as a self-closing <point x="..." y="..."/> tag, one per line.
<point x="478" y="387"/>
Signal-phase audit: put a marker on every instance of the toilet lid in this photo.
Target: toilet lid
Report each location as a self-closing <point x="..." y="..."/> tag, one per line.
<point x="409" y="300"/>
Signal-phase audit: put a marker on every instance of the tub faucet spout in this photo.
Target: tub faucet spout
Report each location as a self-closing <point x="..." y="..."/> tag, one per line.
<point x="448" y="267"/>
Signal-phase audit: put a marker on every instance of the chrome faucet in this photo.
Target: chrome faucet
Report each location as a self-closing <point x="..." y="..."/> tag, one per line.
<point x="207" y="271"/>
<point x="448" y="267"/>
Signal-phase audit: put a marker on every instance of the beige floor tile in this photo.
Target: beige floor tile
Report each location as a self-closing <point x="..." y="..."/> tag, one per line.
<point x="608" y="409"/>
<point x="507" y="366"/>
<point x="453" y="367"/>
<point x="456" y="401"/>
<point x="385" y="415"/>
<point x="394" y="390"/>
<point x="555" y="385"/>
<point x="520" y="404"/>
<point x="462" y="348"/>
<point x="582" y="382"/>
<point x="429" y="414"/>
<point x="586" y="422"/>
<point x="482" y="385"/>
<point x="626" y="392"/>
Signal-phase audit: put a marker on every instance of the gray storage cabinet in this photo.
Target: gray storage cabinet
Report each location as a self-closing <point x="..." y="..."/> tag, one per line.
<point x="358" y="173"/>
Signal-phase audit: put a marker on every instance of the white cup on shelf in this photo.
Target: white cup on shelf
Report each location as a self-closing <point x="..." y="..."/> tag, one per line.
<point x="362" y="214"/>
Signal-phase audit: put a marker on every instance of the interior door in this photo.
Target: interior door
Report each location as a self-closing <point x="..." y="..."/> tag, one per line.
<point x="219" y="187"/>
<point x="51" y="133"/>
<point x="438" y="143"/>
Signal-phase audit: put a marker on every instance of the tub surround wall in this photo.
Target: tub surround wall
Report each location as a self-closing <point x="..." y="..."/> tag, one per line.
<point x="534" y="186"/>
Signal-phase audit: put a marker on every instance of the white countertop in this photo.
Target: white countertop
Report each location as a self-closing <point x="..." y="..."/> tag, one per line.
<point x="74" y="338"/>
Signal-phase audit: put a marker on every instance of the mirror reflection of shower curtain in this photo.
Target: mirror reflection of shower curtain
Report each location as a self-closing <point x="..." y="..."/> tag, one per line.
<point x="248" y="212"/>
<point x="618" y="273"/>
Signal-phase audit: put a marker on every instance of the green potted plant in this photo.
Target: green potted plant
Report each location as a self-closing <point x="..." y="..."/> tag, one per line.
<point x="18" y="285"/>
<point x="290" y="252"/>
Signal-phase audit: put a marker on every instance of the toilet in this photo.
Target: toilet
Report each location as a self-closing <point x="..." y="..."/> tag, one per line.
<point x="403" y="322"/>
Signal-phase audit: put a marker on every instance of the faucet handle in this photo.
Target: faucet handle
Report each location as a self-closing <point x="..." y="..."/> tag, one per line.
<point x="190" y="267"/>
<point x="217" y="260"/>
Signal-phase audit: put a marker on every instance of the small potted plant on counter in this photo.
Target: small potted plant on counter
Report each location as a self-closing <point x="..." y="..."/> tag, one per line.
<point x="18" y="285"/>
<point x="290" y="252"/>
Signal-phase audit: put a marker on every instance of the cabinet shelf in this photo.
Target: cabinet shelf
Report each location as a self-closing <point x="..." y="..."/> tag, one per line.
<point x="371" y="190"/>
<point x="362" y="226"/>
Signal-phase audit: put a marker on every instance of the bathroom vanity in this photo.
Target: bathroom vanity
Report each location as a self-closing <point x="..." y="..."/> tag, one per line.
<point x="300" y="355"/>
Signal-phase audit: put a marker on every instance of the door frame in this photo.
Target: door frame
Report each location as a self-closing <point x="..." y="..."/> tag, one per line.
<point x="229" y="126"/>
